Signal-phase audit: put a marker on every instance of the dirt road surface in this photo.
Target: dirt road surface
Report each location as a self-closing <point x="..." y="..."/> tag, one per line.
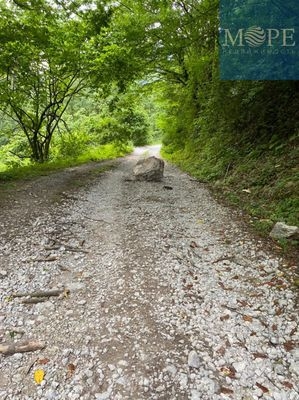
<point x="164" y="295"/>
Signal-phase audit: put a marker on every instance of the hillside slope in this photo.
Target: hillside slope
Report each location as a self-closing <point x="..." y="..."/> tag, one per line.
<point x="262" y="177"/>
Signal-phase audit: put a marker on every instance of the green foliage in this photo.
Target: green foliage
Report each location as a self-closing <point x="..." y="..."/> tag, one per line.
<point x="239" y="135"/>
<point x="271" y="177"/>
<point x="118" y="118"/>
<point x="105" y="152"/>
<point x="37" y="80"/>
<point x="72" y="144"/>
<point x="113" y="73"/>
<point x="69" y="46"/>
<point x="132" y="124"/>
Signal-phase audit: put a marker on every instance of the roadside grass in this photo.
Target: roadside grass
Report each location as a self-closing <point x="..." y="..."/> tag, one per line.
<point x="94" y="154"/>
<point x="264" y="182"/>
<point x="3" y="167"/>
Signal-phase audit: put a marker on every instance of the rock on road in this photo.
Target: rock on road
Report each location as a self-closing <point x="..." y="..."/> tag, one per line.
<point x="167" y="296"/>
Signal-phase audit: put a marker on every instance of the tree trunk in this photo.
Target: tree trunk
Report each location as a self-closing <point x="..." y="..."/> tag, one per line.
<point x="47" y="148"/>
<point x="40" y="146"/>
<point x="40" y="150"/>
<point x="35" y="156"/>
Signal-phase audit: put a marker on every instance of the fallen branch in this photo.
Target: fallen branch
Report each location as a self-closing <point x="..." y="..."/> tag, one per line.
<point x="94" y="219"/>
<point x="63" y="268"/>
<point x="47" y="293"/>
<point x="34" y="300"/>
<point x="225" y="258"/>
<point x="47" y="259"/>
<point x="75" y="249"/>
<point x="50" y="248"/>
<point x="21" y="347"/>
<point x="66" y="247"/>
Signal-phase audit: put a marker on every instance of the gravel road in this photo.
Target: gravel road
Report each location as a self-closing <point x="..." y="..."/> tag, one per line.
<point x="164" y="295"/>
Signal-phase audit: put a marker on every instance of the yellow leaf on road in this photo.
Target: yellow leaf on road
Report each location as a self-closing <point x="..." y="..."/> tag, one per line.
<point x="39" y="376"/>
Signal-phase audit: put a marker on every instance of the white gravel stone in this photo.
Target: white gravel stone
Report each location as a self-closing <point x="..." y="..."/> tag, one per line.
<point x="103" y="396"/>
<point x="193" y="359"/>
<point x="75" y="286"/>
<point x="171" y="369"/>
<point x="294" y="368"/>
<point x="240" y="366"/>
<point x="3" y="273"/>
<point x="165" y="272"/>
<point x="51" y="395"/>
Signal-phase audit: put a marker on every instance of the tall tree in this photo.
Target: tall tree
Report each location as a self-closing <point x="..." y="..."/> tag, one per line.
<point x="43" y="65"/>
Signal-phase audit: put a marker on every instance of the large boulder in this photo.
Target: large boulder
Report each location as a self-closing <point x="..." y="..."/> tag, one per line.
<point x="149" y="169"/>
<point x="283" y="231"/>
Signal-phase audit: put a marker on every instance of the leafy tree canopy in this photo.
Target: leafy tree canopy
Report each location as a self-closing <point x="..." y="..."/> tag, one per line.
<point x="44" y="62"/>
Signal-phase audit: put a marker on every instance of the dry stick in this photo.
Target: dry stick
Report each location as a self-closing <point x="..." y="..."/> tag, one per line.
<point x="96" y="220"/>
<point x="21" y="347"/>
<point x="48" y="293"/>
<point x="50" y="248"/>
<point x="75" y="249"/>
<point x="34" y="300"/>
<point x="225" y="258"/>
<point x="48" y="259"/>
<point x="30" y="365"/>
<point x="66" y="247"/>
<point x="63" y="268"/>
